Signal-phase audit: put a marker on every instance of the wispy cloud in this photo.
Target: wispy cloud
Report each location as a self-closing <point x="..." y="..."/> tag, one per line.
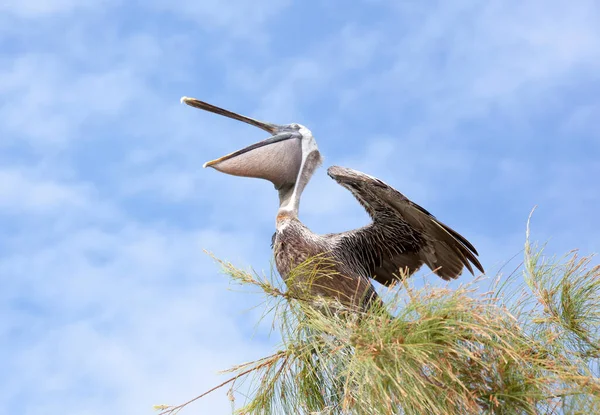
<point x="19" y="194"/>
<point x="40" y="8"/>
<point x="238" y="19"/>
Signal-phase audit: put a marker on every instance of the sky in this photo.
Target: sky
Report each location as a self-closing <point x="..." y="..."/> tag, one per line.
<point x="478" y="111"/>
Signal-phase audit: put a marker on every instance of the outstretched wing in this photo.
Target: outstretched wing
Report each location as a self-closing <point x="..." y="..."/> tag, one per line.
<point x="403" y="235"/>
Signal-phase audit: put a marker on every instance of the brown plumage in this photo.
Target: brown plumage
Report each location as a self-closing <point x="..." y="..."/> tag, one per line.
<point x="402" y="235"/>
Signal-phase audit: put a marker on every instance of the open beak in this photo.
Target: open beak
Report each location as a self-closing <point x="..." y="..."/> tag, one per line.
<point x="268" y="127"/>
<point x="276" y="158"/>
<point x="271" y="140"/>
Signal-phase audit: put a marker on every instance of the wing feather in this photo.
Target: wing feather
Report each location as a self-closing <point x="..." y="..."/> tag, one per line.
<point x="402" y="235"/>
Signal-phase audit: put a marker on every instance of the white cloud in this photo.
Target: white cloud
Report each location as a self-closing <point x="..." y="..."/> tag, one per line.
<point x="20" y="193"/>
<point x="48" y="101"/>
<point x="237" y="18"/>
<point x="140" y="312"/>
<point x="43" y="8"/>
<point x="460" y="61"/>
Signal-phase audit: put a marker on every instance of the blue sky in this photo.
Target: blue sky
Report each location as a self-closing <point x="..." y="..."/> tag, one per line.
<point x="476" y="110"/>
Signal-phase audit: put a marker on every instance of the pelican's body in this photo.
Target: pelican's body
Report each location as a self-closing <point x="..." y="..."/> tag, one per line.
<point x="327" y="273"/>
<point x="402" y="237"/>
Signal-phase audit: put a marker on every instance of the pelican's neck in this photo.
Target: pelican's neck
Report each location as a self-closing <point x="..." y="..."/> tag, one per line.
<point x="289" y="195"/>
<point x="289" y="202"/>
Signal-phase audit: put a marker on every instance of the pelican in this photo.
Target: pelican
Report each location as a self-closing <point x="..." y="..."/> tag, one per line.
<point x="401" y="238"/>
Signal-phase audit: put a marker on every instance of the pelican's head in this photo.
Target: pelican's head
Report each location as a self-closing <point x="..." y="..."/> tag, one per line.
<point x="287" y="158"/>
